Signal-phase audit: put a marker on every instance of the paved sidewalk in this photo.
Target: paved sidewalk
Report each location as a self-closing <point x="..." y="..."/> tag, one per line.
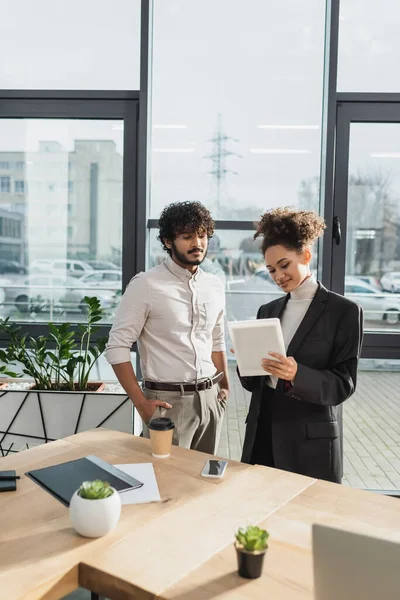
<point x="371" y="430"/>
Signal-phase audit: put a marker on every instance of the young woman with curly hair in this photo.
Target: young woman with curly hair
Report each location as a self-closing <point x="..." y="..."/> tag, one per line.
<point x="295" y="416"/>
<point x="175" y="313"/>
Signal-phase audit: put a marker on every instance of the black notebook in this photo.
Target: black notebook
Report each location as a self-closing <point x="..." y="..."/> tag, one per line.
<point x="62" y="480"/>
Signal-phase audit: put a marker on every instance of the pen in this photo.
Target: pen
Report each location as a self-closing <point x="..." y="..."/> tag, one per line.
<point x="9" y="477"/>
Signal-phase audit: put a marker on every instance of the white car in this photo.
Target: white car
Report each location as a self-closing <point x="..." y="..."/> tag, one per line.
<point x="41" y="292"/>
<point x="377" y="305"/>
<point x="390" y="282"/>
<point x="109" y="279"/>
<point x="63" y="267"/>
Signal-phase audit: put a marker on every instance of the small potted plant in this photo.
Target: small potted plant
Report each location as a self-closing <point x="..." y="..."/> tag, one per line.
<point x="251" y="545"/>
<point x="95" y="508"/>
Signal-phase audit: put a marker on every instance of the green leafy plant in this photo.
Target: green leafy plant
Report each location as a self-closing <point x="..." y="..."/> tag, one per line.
<point x="4" y="368"/>
<point x="56" y="361"/>
<point x="95" y="490"/>
<point x="252" y="538"/>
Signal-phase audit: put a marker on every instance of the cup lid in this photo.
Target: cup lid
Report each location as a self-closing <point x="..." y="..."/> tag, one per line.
<point x="161" y="424"/>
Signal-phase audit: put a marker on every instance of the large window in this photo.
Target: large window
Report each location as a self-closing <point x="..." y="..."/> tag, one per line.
<point x="372" y="428"/>
<point x="245" y="100"/>
<point x="60" y="217"/>
<point x="373" y="252"/>
<point x="74" y="45"/>
<point x="369" y="46"/>
<point x="237" y="95"/>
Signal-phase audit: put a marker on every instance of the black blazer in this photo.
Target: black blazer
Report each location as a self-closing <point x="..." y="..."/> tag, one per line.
<point x="306" y="421"/>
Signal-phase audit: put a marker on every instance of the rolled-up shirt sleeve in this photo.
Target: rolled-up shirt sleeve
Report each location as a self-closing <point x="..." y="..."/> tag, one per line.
<point x="129" y="320"/>
<point x="218" y="334"/>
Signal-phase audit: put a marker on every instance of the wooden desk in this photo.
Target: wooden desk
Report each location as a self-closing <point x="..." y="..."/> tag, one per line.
<point x="287" y="573"/>
<point x="154" y="545"/>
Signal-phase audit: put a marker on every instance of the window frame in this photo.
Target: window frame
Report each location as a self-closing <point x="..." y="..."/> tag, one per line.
<point x="96" y="105"/>
<point x="137" y="141"/>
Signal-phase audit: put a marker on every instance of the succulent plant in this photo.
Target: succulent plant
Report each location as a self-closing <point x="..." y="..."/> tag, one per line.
<point x="252" y="538"/>
<point x="95" y="490"/>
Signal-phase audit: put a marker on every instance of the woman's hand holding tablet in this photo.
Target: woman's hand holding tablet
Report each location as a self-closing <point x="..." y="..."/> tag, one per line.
<point x="255" y="341"/>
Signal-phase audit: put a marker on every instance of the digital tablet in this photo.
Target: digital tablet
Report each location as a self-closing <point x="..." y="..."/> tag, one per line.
<point x="253" y="340"/>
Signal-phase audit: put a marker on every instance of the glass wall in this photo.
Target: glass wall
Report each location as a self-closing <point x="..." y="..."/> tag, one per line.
<point x="60" y="217"/>
<point x="236" y="109"/>
<point x="373" y="226"/>
<point x="369" y="46"/>
<point x="236" y="105"/>
<point x="372" y="428"/>
<point x="74" y="45"/>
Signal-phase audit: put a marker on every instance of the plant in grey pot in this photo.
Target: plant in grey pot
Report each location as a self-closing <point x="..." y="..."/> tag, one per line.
<point x="95" y="509"/>
<point x="251" y="546"/>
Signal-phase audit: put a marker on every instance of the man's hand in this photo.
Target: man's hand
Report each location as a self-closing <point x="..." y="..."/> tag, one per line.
<point x="223" y="394"/>
<point x="147" y="409"/>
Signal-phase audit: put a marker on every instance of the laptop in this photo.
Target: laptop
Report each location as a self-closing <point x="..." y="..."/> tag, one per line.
<point x="352" y="566"/>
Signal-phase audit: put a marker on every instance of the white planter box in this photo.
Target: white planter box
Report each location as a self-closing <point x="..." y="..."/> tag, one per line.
<point x="37" y="417"/>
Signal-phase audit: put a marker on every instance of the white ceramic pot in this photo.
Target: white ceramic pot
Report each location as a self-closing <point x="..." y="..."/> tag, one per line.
<point x="94" y="518"/>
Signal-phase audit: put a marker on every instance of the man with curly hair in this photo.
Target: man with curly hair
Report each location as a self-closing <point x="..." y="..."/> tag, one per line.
<point x="175" y="313"/>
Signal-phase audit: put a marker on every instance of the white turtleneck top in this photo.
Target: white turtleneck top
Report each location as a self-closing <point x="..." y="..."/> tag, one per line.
<point x="295" y="310"/>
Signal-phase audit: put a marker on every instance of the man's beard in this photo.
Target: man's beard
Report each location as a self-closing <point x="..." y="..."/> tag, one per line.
<point x="185" y="259"/>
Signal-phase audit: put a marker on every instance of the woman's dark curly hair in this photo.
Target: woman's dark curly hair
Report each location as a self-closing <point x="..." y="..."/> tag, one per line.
<point x="288" y="227"/>
<point x="184" y="217"/>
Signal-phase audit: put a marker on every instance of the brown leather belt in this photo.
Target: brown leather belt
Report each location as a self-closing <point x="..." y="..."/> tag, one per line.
<point x="204" y="384"/>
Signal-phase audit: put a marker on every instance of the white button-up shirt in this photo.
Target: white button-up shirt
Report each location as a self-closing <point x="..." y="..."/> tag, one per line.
<point x="177" y="320"/>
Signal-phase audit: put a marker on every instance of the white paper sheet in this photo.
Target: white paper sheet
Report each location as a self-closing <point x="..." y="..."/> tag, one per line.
<point x="149" y="492"/>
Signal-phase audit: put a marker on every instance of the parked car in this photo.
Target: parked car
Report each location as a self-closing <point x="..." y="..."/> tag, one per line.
<point x="11" y="266"/>
<point x="40" y="266"/>
<point x="376" y="304"/>
<point x="102" y="265"/>
<point x="41" y="292"/>
<point x="245" y="296"/>
<point x="390" y="282"/>
<point x="374" y="281"/>
<point x="102" y="279"/>
<point x="61" y="266"/>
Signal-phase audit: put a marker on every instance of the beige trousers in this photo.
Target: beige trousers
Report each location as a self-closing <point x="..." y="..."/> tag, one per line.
<point x="198" y="417"/>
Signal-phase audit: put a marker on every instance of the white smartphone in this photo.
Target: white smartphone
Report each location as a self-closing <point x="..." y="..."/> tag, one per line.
<point x="214" y="468"/>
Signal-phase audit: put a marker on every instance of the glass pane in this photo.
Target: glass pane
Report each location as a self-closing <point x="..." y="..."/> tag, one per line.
<point x="372" y="428"/>
<point x="76" y="45"/>
<point x="369" y="46"/>
<point x="241" y="130"/>
<point x="68" y="216"/>
<point x="373" y="225"/>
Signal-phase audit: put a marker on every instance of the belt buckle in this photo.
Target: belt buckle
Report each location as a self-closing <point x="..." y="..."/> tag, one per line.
<point x="209" y="383"/>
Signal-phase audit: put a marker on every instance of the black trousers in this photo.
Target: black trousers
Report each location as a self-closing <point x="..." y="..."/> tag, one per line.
<point x="262" y="452"/>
